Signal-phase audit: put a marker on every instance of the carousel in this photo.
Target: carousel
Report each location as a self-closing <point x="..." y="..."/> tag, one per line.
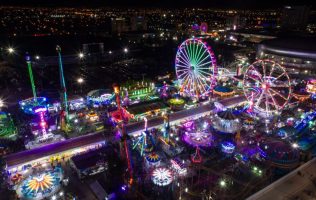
<point x="223" y="91"/>
<point x="227" y="122"/>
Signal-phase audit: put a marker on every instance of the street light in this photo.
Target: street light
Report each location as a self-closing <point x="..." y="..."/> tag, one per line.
<point x="110" y="52"/>
<point x="37" y="57"/>
<point x="295" y="145"/>
<point x="80" y="80"/>
<point x="222" y="183"/>
<point x="1" y="103"/>
<point x="80" y="55"/>
<point x="125" y="50"/>
<point x="10" y="50"/>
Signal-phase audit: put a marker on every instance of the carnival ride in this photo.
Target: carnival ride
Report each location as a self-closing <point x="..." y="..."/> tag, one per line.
<point x="153" y="159"/>
<point x="40" y="186"/>
<point x="223" y="91"/>
<point x="279" y="153"/>
<point x="311" y="86"/>
<point x="226" y="122"/>
<point x="162" y="176"/>
<point x="27" y="105"/>
<point x="145" y="142"/>
<point x="267" y="86"/>
<point x="7" y="128"/>
<point x="64" y="114"/>
<point x="122" y="121"/>
<point x="176" y="103"/>
<point x="196" y="68"/>
<point x="100" y="97"/>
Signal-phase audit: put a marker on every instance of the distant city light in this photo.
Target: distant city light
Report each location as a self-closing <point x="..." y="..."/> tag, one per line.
<point x="125" y="50"/>
<point x="37" y="57"/>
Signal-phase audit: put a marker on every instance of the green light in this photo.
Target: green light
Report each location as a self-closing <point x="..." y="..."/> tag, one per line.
<point x="29" y="66"/>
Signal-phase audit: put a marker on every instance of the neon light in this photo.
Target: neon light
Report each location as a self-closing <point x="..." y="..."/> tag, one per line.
<point x="29" y="66"/>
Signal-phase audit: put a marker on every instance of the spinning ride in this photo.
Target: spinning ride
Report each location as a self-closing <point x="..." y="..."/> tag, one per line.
<point x="28" y="105"/>
<point x="161" y="176"/>
<point x="41" y="185"/>
<point x="195" y="68"/>
<point x="267" y="86"/>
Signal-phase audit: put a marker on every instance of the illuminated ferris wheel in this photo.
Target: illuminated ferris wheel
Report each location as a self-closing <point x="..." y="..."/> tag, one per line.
<point x="195" y="68"/>
<point x="267" y="86"/>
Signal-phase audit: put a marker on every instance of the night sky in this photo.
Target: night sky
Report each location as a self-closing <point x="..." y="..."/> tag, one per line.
<point x="162" y="3"/>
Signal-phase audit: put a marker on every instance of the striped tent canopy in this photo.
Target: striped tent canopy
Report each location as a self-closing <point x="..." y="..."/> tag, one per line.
<point x="153" y="158"/>
<point x="227" y="115"/>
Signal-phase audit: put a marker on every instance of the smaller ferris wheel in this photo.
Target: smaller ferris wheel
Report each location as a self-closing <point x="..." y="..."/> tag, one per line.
<point x="196" y="69"/>
<point x="267" y="86"/>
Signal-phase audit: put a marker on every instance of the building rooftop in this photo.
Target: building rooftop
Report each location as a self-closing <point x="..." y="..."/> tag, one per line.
<point x="51" y="149"/>
<point x="294" y="185"/>
<point x="296" y="47"/>
<point x="306" y="44"/>
<point x="89" y="159"/>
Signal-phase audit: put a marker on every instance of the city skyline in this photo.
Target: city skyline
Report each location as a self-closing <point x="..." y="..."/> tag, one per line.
<point x="237" y="4"/>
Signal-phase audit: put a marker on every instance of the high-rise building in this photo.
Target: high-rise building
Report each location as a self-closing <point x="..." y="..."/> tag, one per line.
<point x="295" y="17"/>
<point x="138" y="23"/>
<point x="234" y="22"/>
<point x="118" y="25"/>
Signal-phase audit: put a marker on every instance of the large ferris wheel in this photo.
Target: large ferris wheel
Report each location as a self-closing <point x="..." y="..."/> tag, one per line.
<point x="196" y="69"/>
<point x="267" y="86"/>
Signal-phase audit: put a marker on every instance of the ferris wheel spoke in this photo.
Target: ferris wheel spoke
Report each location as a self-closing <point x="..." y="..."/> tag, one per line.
<point x="204" y="78"/>
<point x="263" y="68"/>
<point x="266" y="102"/>
<point x="192" y="54"/>
<point x="256" y="80"/>
<point x="195" y="49"/>
<point x="199" y="53"/>
<point x="202" y="60"/>
<point x="259" y="100"/>
<point x="183" y="66"/>
<point x="206" y="74"/>
<point x="203" y="74"/>
<point x="274" y="101"/>
<point x="185" y="54"/>
<point x="186" y="48"/>
<point x="278" y="77"/>
<point x="201" y="56"/>
<point x="280" y="86"/>
<point x="200" y="65"/>
<point x="272" y="70"/>
<point x="201" y="85"/>
<point x="258" y="73"/>
<point x="184" y="60"/>
<point x="280" y="95"/>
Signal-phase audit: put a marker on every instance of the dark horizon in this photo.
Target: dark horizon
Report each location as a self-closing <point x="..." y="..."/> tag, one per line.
<point x="226" y="4"/>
